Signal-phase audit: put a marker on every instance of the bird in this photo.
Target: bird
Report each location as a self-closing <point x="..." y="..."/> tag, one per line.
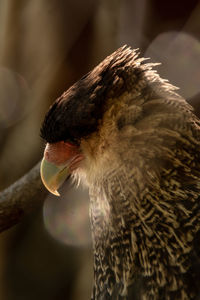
<point x="127" y="134"/>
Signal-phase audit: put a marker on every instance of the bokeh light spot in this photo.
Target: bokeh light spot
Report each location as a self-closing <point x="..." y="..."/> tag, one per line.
<point x="66" y="218"/>
<point x="179" y="53"/>
<point x="13" y="92"/>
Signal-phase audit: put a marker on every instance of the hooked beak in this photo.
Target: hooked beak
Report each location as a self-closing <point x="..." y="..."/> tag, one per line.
<point x="53" y="176"/>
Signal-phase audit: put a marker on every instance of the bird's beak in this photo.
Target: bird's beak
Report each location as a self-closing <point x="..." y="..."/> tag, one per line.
<point x="53" y="176"/>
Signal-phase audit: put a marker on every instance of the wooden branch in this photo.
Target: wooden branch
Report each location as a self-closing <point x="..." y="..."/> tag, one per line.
<point x="21" y="198"/>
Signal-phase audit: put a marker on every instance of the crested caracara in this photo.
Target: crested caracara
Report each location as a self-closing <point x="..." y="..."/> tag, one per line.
<point x="125" y="133"/>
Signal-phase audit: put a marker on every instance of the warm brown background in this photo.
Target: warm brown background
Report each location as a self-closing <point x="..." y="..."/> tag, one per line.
<point x="44" y="47"/>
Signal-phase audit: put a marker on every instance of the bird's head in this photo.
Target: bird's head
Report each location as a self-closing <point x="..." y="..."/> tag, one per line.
<point x="120" y="88"/>
<point x="77" y="114"/>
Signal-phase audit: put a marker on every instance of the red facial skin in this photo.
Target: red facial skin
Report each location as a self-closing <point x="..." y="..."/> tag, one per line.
<point x="61" y="153"/>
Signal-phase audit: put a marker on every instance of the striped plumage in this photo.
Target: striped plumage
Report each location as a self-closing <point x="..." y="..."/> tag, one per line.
<point x="141" y="147"/>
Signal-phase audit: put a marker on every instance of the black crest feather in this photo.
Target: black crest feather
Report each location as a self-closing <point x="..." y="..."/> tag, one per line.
<point x="76" y="113"/>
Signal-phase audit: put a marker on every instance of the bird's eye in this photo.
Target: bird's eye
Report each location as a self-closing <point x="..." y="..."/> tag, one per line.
<point x="72" y="141"/>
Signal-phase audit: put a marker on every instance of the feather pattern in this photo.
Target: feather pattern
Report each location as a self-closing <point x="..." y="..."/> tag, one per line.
<point x="145" y="204"/>
<point x="142" y="167"/>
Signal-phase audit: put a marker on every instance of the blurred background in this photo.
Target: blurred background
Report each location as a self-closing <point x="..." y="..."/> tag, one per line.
<point x="45" y="46"/>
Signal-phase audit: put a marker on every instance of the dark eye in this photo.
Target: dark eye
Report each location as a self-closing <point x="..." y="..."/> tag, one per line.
<point x="72" y="141"/>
